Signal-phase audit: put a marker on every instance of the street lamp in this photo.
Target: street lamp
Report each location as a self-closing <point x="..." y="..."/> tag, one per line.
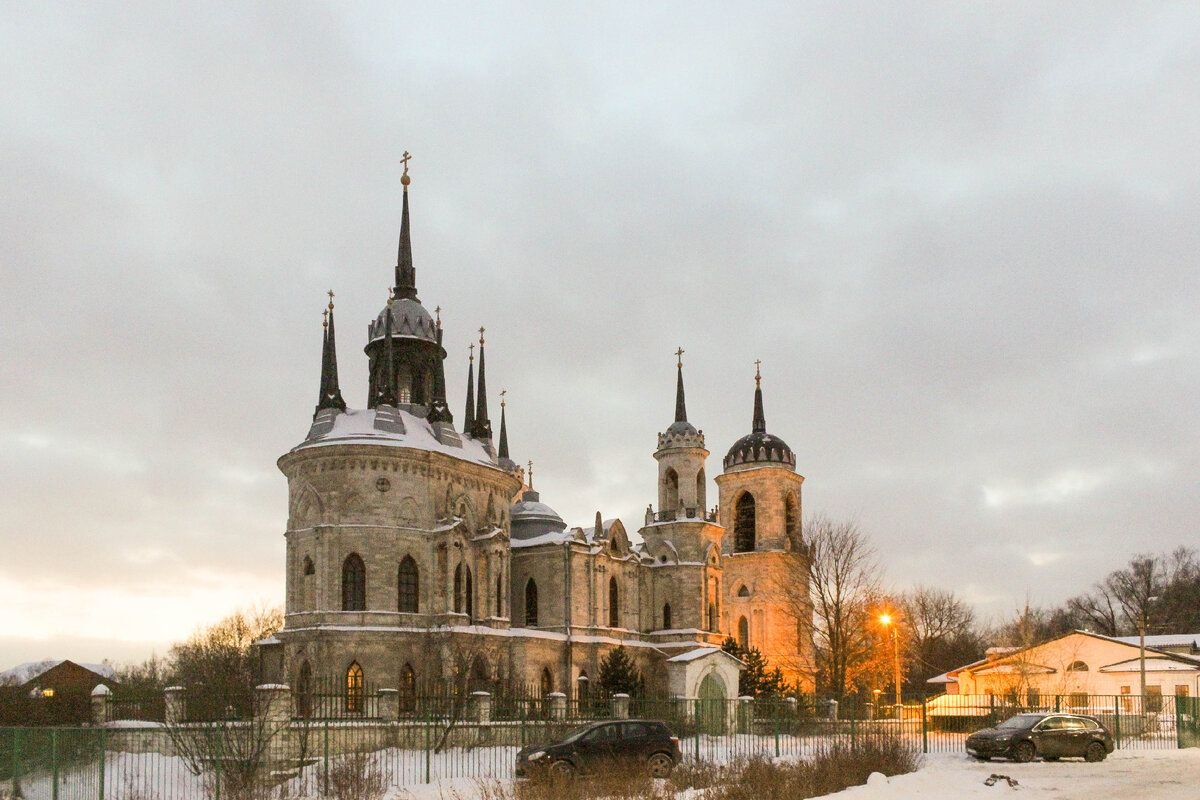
<point x="886" y="621"/>
<point x="1142" y="648"/>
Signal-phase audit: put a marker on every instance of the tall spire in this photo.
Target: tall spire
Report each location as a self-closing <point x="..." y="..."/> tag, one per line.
<point x="469" y="415"/>
<point x="503" y="453"/>
<point x="387" y="384"/>
<point x="680" y="405"/>
<point x="483" y="425"/>
<point x="330" y="395"/>
<point x="439" y="409"/>
<point x="760" y="421"/>
<point x="406" y="274"/>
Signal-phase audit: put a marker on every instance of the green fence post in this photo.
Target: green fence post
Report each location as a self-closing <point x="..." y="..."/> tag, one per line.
<point x="924" y="727"/>
<point x="428" y="757"/>
<point x="1057" y="701"/>
<point x="325" y="758"/>
<point x="775" y="716"/>
<point x="103" y="750"/>
<point x="852" y="734"/>
<point x="16" y="762"/>
<point x="1117" y="721"/>
<point x="54" y="763"/>
<point x="220" y="756"/>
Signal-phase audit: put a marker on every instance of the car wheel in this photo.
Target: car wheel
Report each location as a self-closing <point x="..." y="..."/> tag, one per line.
<point x="1024" y="751"/>
<point x="660" y="765"/>
<point x="1095" y="752"/>
<point x="562" y="769"/>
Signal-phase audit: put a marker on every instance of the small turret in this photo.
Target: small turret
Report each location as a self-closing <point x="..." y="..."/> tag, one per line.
<point x="331" y="394"/>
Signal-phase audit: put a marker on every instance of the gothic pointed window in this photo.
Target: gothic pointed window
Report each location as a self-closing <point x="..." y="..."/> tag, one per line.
<point x="670" y="490"/>
<point x="499" y="594"/>
<point x="614" y="604"/>
<point x="469" y="600"/>
<point x="700" y="492"/>
<point x="309" y="568"/>
<point x="666" y="616"/>
<point x="743" y="524"/>
<point x="458" y="589"/>
<point x="743" y="591"/>
<point x="354" y="689"/>
<point x="354" y="583"/>
<point x="407" y="585"/>
<point x="408" y="689"/>
<point x="712" y="616"/>
<point x="531" y="604"/>
<point x="743" y="635"/>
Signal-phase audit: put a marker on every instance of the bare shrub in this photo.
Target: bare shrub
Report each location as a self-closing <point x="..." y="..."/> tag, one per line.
<point x="356" y="776"/>
<point x="836" y="767"/>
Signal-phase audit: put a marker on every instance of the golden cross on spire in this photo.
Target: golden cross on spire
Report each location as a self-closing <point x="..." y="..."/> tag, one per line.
<point x="530" y="474"/>
<point x="330" y="293"/>
<point x="325" y="318"/>
<point x="471" y="347"/>
<point x="438" y="312"/>
<point x="481" y="336"/>
<point x="757" y="372"/>
<point x="404" y="179"/>
<point x="502" y="393"/>
<point x="679" y="355"/>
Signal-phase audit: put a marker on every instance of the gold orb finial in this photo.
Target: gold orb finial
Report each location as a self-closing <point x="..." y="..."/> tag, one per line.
<point x="758" y="372"/>
<point x="404" y="179"/>
<point x="330" y="293"/>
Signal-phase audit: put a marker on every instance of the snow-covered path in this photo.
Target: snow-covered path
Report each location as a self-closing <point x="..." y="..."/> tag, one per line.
<point x="1139" y="775"/>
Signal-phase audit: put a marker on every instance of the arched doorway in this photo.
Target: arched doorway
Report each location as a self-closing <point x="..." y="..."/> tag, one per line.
<point x="711" y="702"/>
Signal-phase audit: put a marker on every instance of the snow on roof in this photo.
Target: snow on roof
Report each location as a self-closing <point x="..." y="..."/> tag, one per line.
<point x="357" y="426"/>
<point x="943" y="678"/>
<point x="24" y="673"/>
<point x="1156" y="664"/>
<point x="1164" y="640"/>
<point x="701" y="652"/>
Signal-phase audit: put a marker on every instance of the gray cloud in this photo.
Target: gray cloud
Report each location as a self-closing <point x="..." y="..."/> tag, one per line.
<point x="960" y="239"/>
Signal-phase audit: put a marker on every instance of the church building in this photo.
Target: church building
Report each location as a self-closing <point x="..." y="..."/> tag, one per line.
<point x="418" y="551"/>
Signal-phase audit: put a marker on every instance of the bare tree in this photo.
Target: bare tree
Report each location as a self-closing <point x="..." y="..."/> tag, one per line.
<point x="941" y="633"/>
<point x="216" y="664"/>
<point x="843" y="583"/>
<point x="1162" y="590"/>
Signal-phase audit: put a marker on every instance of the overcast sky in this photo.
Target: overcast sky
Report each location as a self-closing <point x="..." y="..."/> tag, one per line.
<point x="962" y="239"/>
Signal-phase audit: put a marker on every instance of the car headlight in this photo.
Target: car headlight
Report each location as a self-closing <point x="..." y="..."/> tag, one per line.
<point x="536" y="754"/>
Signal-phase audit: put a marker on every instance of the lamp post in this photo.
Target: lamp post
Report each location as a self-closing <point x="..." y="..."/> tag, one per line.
<point x="1142" y="649"/>
<point x="886" y="621"/>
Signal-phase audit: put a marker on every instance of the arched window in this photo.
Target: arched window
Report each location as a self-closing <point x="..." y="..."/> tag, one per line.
<point x="407" y="583"/>
<point x="354" y="583"/>
<point x="791" y="518"/>
<point x="1077" y="666"/>
<point x="470" y="599"/>
<point x="354" y="689"/>
<point x="743" y="524"/>
<point x="499" y="594"/>
<point x="743" y="591"/>
<point x="408" y="689"/>
<point x="547" y="682"/>
<point x="531" y="618"/>
<point x="700" y="492"/>
<point x="743" y="633"/>
<point x="464" y="600"/>
<point x="712" y="616"/>
<point x="479" y="675"/>
<point x="304" y="691"/>
<point x="309" y="568"/>
<point x="670" y="490"/>
<point x="666" y="616"/>
<point x="614" y="604"/>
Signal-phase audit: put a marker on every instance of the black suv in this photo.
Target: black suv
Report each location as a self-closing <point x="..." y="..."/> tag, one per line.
<point x="1051" y="736"/>
<point x="633" y="742"/>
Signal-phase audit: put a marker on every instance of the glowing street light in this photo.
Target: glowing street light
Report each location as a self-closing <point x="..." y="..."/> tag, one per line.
<point x="886" y="621"/>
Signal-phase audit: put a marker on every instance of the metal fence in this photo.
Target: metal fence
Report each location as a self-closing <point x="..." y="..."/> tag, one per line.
<point x="299" y="758"/>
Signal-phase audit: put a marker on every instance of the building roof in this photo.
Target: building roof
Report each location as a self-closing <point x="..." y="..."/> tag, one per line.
<point x="390" y="428"/>
<point x="1164" y="640"/>
<point x="22" y="674"/>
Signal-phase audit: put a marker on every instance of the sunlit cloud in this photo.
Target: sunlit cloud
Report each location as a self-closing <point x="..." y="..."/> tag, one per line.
<point x="1061" y="487"/>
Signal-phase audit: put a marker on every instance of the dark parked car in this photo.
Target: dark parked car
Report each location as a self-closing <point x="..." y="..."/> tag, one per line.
<point x="588" y="748"/>
<point x="1051" y="736"/>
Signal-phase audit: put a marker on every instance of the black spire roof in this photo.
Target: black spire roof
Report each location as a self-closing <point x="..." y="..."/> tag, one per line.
<point x="680" y="426"/>
<point x="439" y="409"/>
<point x="482" y="428"/>
<point x="503" y="452"/>
<point x="759" y="447"/>
<point x="406" y="273"/>
<point x="331" y="394"/>
<point x="469" y="414"/>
